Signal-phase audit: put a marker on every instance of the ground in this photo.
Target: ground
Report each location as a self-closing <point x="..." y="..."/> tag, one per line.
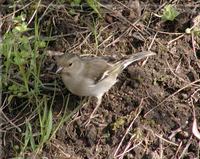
<point x="149" y="112"/>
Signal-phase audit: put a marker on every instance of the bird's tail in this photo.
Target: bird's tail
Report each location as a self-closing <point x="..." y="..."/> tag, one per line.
<point x="119" y="66"/>
<point x="136" y="57"/>
<point x="122" y="64"/>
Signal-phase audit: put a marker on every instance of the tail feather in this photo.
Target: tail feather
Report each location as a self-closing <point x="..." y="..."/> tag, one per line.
<point x="136" y="57"/>
<point x="119" y="66"/>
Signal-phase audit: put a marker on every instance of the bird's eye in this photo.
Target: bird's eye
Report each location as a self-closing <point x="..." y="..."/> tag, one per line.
<point x="70" y="64"/>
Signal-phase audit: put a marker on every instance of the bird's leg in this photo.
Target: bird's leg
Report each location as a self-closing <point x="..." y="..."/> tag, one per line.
<point x="92" y="115"/>
<point x="86" y="102"/>
<point x="99" y="99"/>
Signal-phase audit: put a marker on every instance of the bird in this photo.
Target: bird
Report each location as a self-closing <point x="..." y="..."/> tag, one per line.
<point x="93" y="76"/>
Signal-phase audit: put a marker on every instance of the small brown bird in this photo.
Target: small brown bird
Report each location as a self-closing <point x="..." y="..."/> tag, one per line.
<point x="93" y="76"/>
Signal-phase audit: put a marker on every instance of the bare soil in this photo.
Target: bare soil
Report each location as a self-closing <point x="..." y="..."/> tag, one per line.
<point x="149" y="112"/>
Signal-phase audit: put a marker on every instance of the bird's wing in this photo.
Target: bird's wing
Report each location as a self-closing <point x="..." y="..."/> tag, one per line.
<point x="122" y="64"/>
<point x="96" y="69"/>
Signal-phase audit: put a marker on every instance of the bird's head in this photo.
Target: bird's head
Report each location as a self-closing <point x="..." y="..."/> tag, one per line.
<point x="68" y="64"/>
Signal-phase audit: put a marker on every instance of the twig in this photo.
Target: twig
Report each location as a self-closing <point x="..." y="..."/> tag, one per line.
<point x="195" y="130"/>
<point x="170" y="96"/>
<point x="60" y="148"/>
<point x="13" y="13"/>
<point x="149" y="48"/>
<point x="161" y="147"/>
<point x="163" y="32"/>
<point x="123" y="19"/>
<point x="128" y="150"/>
<point x="34" y="12"/>
<point x="194" y="49"/>
<point x="116" y="40"/>
<point x="127" y="131"/>
<point x="13" y="124"/>
<point x="181" y="79"/>
<point x="178" y="149"/>
<point x="160" y="137"/>
<point x="186" y="148"/>
<point x="175" y="39"/>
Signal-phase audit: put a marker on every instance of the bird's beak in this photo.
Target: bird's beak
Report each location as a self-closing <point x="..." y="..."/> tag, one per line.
<point x="59" y="69"/>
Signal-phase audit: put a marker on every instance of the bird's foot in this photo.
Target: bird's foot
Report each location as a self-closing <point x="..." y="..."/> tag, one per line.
<point x="88" y="121"/>
<point x="92" y="116"/>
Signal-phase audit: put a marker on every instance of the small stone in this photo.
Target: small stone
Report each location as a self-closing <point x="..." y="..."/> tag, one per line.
<point x="184" y="95"/>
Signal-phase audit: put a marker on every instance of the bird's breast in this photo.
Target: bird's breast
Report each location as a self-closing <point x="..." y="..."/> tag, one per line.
<point x="78" y="86"/>
<point x="86" y="86"/>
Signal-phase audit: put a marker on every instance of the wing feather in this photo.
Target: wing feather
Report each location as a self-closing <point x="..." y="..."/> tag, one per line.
<point x="96" y="69"/>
